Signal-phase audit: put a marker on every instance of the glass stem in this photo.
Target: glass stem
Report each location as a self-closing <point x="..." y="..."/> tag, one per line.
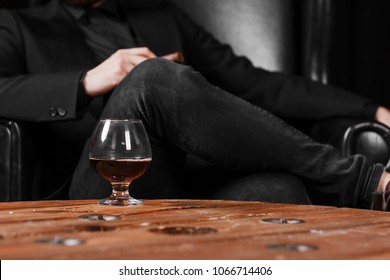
<point x="120" y="191"/>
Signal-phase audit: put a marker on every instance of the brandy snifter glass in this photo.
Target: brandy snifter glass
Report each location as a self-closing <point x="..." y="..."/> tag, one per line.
<point x="120" y="152"/>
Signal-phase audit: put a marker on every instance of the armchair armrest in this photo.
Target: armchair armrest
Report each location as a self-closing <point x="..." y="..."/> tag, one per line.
<point x="353" y="136"/>
<point x="370" y="139"/>
<point x="13" y="162"/>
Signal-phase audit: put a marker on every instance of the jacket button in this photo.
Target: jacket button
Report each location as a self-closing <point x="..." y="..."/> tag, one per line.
<point x="53" y="112"/>
<point x="62" y="112"/>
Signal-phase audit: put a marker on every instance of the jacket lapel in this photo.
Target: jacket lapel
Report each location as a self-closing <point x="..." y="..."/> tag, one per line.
<point x="154" y="23"/>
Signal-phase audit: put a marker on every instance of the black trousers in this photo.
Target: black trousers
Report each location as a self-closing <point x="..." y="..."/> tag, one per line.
<point x="184" y="114"/>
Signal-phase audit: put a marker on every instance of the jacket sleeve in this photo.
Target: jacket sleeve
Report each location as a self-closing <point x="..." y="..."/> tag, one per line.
<point x="31" y="96"/>
<point x="287" y="96"/>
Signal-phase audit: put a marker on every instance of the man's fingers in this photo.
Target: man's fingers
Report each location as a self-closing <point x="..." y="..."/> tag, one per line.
<point x="138" y="51"/>
<point x="177" y="57"/>
<point x="137" y="59"/>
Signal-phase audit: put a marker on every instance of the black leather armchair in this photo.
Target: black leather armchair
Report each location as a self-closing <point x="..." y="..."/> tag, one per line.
<point x="271" y="36"/>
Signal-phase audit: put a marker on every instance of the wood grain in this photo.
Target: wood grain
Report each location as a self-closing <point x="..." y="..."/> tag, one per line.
<point x="188" y="229"/>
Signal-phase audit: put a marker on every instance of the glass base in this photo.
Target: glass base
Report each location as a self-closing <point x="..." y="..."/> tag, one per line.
<point x="120" y="202"/>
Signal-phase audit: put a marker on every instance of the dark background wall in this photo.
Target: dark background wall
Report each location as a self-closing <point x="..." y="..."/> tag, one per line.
<point x="360" y="51"/>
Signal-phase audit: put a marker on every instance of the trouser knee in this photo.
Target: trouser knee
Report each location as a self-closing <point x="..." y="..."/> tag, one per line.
<point x="154" y="87"/>
<point x="156" y="75"/>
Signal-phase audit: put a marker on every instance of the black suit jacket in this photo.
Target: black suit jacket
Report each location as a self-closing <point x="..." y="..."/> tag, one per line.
<point x="43" y="54"/>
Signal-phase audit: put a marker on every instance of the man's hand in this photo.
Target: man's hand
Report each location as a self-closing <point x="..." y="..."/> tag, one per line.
<point x="383" y="116"/>
<point x="107" y="75"/>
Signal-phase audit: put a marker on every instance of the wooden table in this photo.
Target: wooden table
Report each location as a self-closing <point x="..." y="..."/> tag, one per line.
<point x="187" y="229"/>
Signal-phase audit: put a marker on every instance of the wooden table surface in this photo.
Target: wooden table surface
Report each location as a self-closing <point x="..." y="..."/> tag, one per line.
<point x="188" y="229"/>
